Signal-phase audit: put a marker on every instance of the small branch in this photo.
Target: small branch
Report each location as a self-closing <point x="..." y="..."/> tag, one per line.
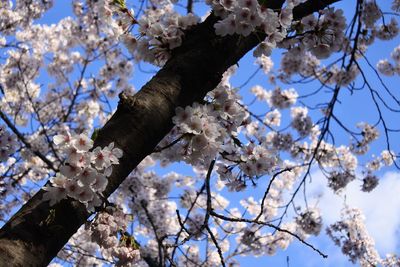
<point x="159" y="240"/>
<point x="216" y="244"/>
<point x="269" y="225"/>
<point x="208" y="190"/>
<point x="189" y="6"/>
<point x="26" y="143"/>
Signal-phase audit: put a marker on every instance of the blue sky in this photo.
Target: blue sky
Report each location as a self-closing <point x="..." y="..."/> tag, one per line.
<point x="380" y="207"/>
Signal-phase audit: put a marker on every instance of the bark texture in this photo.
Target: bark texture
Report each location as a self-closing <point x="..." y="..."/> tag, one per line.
<point x="35" y="234"/>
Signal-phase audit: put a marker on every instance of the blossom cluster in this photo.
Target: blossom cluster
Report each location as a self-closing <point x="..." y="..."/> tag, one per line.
<point x="104" y="231"/>
<point x="265" y="244"/>
<point x="386" y="159"/>
<point x="317" y="37"/>
<point x="339" y="180"/>
<point x="301" y="122"/>
<point x="246" y="16"/>
<point x="396" y="5"/>
<point x="369" y="134"/>
<point x="310" y="222"/>
<point x="13" y="14"/>
<point x="19" y="86"/>
<point x="371" y="13"/>
<point x="162" y="30"/>
<point x="387" y="68"/>
<point x="265" y="62"/>
<point x="8" y="143"/>
<point x="276" y="98"/>
<point x="298" y="60"/>
<point x="370" y="181"/>
<point x="205" y="130"/>
<point x="243" y="17"/>
<point x="324" y="35"/>
<point x="351" y="235"/>
<point x="83" y="176"/>
<point x="61" y="49"/>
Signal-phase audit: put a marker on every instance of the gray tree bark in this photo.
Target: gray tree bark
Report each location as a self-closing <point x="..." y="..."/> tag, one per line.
<point x="35" y="234"/>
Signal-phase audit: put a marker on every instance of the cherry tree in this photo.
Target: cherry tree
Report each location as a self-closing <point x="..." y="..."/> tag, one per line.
<point x="80" y="180"/>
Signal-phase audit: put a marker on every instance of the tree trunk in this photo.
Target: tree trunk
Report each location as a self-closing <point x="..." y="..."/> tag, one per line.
<point x="35" y="234"/>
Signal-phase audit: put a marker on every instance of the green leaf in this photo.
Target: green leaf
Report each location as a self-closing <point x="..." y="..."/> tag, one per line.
<point x="95" y="133"/>
<point x="129" y="241"/>
<point x="120" y="3"/>
<point x="262" y="2"/>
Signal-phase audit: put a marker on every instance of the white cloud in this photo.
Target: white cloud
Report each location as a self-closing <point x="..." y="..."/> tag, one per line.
<point x="381" y="207"/>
